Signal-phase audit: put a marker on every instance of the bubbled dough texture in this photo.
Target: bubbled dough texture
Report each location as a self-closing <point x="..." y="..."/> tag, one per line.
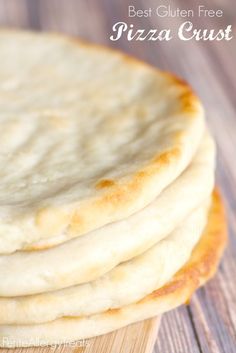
<point x="72" y="115"/>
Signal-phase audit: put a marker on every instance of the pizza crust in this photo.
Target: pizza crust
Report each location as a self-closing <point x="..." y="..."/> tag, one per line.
<point x="96" y="253"/>
<point x="200" y="268"/>
<point x="124" y="284"/>
<point x="88" y="137"/>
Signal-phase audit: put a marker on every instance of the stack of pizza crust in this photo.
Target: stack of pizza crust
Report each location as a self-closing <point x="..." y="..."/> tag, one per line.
<point x="107" y="209"/>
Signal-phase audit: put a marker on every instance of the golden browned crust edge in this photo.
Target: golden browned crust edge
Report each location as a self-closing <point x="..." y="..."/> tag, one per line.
<point x="205" y="257"/>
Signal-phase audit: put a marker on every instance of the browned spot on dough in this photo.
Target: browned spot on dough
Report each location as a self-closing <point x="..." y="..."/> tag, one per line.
<point x="36" y="247"/>
<point x="72" y="317"/>
<point x="187" y="301"/>
<point x="167" y="289"/>
<point x="179" y="81"/>
<point x="113" y="311"/>
<point x="105" y="183"/>
<point x="179" y="135"/>
<point x="165" y="157"/>
<point x="141" y="174"/>
<point x="188" y="101"/>
<point x="176" y="80"/>
<point x="76" y="222"/>
<point x="116" y="197"/>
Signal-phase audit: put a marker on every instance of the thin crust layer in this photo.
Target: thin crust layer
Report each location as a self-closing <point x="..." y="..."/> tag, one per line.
<point x="200" y="268"/>
<point x="105" y="248"/>
<point x="125" y="284"/>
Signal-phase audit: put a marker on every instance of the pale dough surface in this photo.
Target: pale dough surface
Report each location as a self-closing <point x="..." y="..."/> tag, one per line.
<point x="125" y="284"/>
<point x="200" y="267"/>
<point x="86" y="258"/>
<point x="88" y="136"/>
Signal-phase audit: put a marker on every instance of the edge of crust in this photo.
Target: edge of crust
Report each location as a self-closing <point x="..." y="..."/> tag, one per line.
<point x="201" y="267"/>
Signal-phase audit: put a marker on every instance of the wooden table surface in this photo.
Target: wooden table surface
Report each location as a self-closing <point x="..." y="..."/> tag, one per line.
<point x="208" y="324"/>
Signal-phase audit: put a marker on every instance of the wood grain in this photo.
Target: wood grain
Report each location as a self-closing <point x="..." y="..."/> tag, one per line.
<point x="208" y="324"/>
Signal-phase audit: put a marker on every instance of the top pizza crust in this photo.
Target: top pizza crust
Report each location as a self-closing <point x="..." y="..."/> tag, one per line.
<point x="88" y="136"/>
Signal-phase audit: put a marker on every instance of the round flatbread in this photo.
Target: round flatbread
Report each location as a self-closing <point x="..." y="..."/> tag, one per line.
<point x="200" y="267"/>
<point x="88" y="136"/>
<point x="96" y="253"/>
<point x="125" y="284"/>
